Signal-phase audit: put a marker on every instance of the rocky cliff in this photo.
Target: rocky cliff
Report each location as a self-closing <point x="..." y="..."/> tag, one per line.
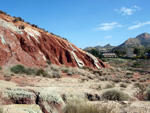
<point x="21" y="43"/>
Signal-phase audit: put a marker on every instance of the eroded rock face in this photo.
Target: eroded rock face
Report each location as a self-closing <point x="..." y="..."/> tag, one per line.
<point x="22" y="108"/>
<point x="49" y="102"/>
<point x="32" y="47"/>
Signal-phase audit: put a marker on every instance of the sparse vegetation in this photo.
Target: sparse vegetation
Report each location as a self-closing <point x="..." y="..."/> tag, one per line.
<point x="48" y="62"/>
<point x="21" y="27"/>
<point x="110" y="85"/>
<point x="148" y="94"/>
<point x="136" y="64"/>
<point x="41" y="72"/>
<point x="16" y="19"/>
<point x="18" y="69"/>
<point x="0" y="68"/>
<point x="1" y="109"/>
<point x="57" y="74"/>
<point x="123" y="85"/>
<point x="116" y="80"/>
<point x="140" y="86"/>
<point x="128" y="76"/>
<point x="30" y="71"/>
<point x="76" y="106"/>
<point x="2" y="12"/>
<point x="115" y="95"/>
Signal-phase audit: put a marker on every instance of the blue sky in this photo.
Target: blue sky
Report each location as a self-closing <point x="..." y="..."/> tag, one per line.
<point x="85" y="22"/>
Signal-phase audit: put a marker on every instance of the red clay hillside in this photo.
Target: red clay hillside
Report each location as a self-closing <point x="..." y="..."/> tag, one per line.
<point x="21" y="43"/>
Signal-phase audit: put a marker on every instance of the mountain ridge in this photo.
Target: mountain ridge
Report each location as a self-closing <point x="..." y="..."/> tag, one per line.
<point x="105" y="48"/>
<point x="142" y="40"/>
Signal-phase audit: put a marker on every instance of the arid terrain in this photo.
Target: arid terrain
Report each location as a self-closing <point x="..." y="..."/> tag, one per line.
<point x="112" y="90"/>
<point x="41" y="72"/>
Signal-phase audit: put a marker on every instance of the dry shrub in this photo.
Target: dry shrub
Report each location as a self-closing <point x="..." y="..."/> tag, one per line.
<point x="53" y="71"/>
<point x="76" y="71"/>
<point x="141" y="86"/>
<point x="115" y="95"/>
<point x="147" y="95"/>
<point x="123" y="85"/>
<point x="110" y="85"/>
<point x="116" y="80"/>
<point x="55" y="67"/>
<point x="76" y="106"/>
<point x="128" y="76"/>
<point x="8" y="78"/>
<point x="57" y="74"/>
<point x="41" y="72"/>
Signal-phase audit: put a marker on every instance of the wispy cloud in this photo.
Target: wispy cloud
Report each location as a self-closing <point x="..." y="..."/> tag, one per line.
<point x="107" y="37"/>
<point x="138" y="25"/>
<point x="108" y="26"/>
<point x="128" y="11"/>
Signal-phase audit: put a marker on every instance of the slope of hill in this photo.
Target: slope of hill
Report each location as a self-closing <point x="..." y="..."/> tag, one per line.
<point x="21" y="43"/>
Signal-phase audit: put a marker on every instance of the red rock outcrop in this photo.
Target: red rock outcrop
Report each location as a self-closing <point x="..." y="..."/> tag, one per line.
<point x="31" y="47"/>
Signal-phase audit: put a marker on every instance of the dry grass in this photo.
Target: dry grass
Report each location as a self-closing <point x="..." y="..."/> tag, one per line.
<point x="76" y="106"/>
<point x="110" y="85"/>
<point x="1" y="110"/>
<point x="123" y="85"/>
<point x="77" y="71"/>
<point x="115" y="95"/>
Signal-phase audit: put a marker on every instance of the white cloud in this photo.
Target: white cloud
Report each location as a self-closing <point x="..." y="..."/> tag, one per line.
<point x="128" y="11"/>
<point x="107" y="37"/>
<point x="108" y="26"/>
<point x="138" y="25"/>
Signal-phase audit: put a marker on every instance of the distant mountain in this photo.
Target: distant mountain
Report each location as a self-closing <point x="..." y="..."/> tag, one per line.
<point x="140" y="40"/>
<point x="105" y="48"/>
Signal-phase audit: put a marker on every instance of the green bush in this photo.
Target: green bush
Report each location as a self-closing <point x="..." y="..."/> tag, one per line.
<point x="18" y="69"/>
<point x="21" y="27"/>
<point x="41" y="72"/>
<point x="16" y="19"/>
<point x="0" y="68"/>
<point x="104" y="60"/>
<point x="115" y="95"/>
<point x="2" y="12"/>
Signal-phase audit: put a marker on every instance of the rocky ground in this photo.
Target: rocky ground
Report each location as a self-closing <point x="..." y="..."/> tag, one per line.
<point x="21" y="93"/>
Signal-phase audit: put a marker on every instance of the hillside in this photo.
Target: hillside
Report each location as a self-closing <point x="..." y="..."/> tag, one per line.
<point x="24" y="44"/>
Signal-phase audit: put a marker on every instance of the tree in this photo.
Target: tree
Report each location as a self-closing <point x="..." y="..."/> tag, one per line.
<point x="117" y="52"/>
<point x="95" y="52"/>
<point x="136" y="51"/>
